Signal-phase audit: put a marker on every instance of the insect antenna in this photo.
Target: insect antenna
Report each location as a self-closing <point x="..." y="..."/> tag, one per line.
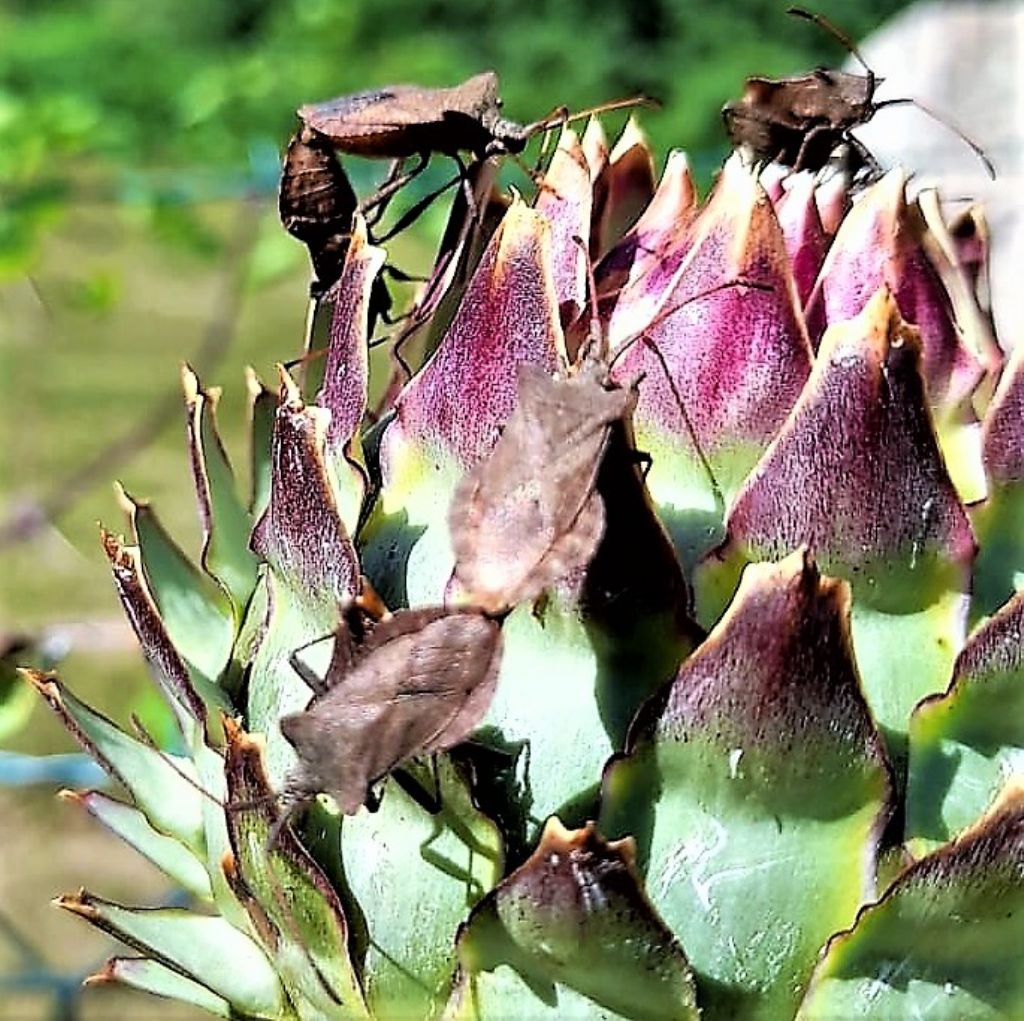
<point x="233" y="806"/>
<point x="823" y="23"/>
<point x="597" y="336"/>
<point x="664" y="313"/>
<point x="545" y="151"/>
<point x="561" y="115"/>
<point x="643" y="336"/>
<point x="949" y="125"/>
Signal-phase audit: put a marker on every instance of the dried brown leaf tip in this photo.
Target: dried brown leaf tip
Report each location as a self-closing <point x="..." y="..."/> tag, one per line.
<point x="301" y="533"/>
<point x="575" y="913"/>
<point x="163" y="659"/>
<point x="420" y="683"/>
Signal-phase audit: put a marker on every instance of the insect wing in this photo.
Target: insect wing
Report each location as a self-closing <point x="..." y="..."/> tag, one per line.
<point x="471" y="644"/>
<point x="568" y="421"/>
<point x="331" y="116"/>
<point x="422" y="686"/>
<point x="528" y="513"/>
<point x="751" y="127"/>
<point x="403" y="120"/>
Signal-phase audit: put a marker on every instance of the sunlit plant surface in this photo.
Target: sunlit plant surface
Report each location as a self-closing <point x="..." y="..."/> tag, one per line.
<point x="753" y="740"/>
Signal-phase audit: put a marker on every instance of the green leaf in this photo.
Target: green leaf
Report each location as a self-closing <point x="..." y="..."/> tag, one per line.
<point x="967" y="743"/>
<point x="405" y="545"/>
<point x="262" y="411"/>
<point x="152" y="977"/>
<point x="904" y="657"/>
<point x="226" y="522"/>
<point x="750" y="785"/>
<point x="999" y="526"/>
<point x="862" y="426"/>
<point x="565" y="199"/>
<point x="207" y="950"/>
<point x="879" y="245"/>
<point x="312" y="567"/>
<point x="346" y="305"/>
<point x="189" y="694"/>
<point x="195" y="611"/>
<point x="169" y="855"/>
<point x="274" y="688"/>
<point x="171" y="804"/>
<point x="292" y="907"/>
<point x="946" y="942"/>
<point x="636" y="266"/>
<point x="210" y="768"/>
<point x="415" y="874"/>
<point x="550" y="711"/>
<point x="737" y="360"/>
<point x="999" y="568"/>
<point x="624" y="181"/>
<point x="504" y="995"/>
<point x="569" y="930"/>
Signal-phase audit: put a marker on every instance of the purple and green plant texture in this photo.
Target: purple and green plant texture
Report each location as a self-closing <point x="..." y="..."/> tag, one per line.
<point x="659" y="666"/>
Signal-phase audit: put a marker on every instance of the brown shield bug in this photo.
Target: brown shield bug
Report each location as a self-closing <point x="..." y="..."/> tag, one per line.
<point x="397" y="122"/>
<point x="419" y="683"/>
<point x="409" y="683"/>
<point x="316" y="203"/>
<point x="529" y="513"/>
<point x="799" y="121"/>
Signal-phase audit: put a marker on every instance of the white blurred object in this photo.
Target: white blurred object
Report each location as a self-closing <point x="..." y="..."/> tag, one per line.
<point x="965" y="61"/>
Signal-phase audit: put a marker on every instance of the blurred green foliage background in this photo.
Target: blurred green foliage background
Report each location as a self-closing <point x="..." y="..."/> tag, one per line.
<point x="139" y="153"/>
<point x="168" y="102"/>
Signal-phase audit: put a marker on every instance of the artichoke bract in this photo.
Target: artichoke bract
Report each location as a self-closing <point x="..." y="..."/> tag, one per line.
<point x="748" y="743"/>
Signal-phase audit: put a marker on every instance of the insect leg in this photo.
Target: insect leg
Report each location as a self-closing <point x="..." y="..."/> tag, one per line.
<point x="644" y="459"/>
<point x="429" y="801"/>
<point x="393" y="183"/>
<point x="805" y="143"/>
<point x="233" y="806"/>
<point x="474" y="212"/>
<point x="690" y="428"/>
<point x="399" y="274"/>
<point x="373" y="799"/>
<point x="290" y="803"/>
<point x="373" y="212"/>
<point x="864" y="153"/>
<point x="318" y="685"/>
<point x="414" y="212"/>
